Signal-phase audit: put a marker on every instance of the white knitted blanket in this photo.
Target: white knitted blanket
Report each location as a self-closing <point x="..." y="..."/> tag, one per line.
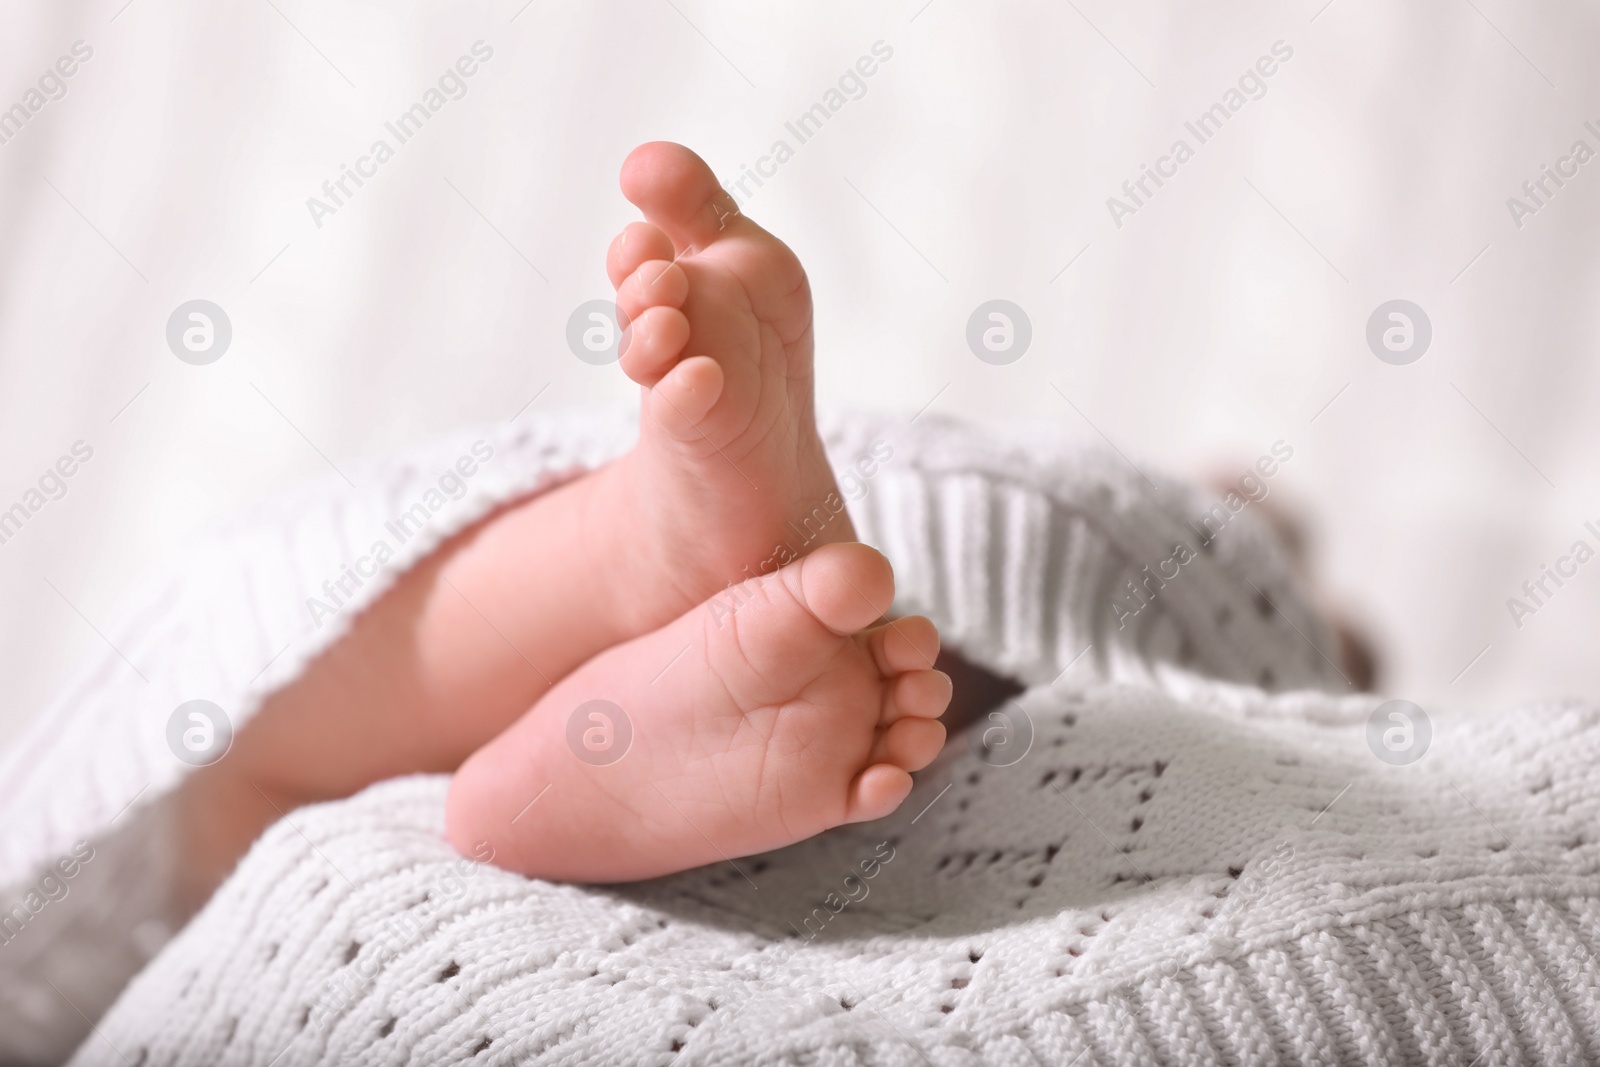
<point x="1198" y="859"/>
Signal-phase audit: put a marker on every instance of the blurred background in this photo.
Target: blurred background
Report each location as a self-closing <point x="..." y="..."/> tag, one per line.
<point x="1227" y="310"/>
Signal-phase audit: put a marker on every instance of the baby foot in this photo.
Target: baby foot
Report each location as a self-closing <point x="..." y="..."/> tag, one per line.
<point x="729" y="479"/>
<point x="749" y="731"/>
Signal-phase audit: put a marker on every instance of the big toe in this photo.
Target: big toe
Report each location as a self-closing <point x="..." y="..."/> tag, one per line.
<point x="678" y="193"/>
<point x="846" y="586"/>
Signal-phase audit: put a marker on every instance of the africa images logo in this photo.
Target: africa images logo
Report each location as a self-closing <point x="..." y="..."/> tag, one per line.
<point x="599" y="732"/>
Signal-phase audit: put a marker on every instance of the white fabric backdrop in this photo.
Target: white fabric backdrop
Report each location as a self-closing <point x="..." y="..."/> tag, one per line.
<point x="1221" y="317"/>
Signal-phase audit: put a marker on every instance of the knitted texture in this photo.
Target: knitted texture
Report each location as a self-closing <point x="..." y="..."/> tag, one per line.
<point x="228" y="622"/>
<point x="1156" y="882"/>
<point x="1017" y="557"/>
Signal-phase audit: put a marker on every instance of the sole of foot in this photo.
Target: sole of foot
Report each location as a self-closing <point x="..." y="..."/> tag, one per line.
<point x="729" y="464"/>
<point x="782" y="708"/>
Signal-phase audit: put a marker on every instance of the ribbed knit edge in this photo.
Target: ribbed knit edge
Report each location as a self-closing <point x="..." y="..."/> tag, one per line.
<point x="1018" y="551"/>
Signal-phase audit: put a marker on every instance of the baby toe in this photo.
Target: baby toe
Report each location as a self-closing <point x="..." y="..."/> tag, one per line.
<point x="877" y="792"/>
<point x="678" y="192"/>
<point x="918" y="695"/>
<point x="908" y="644"/>
<point x="846" y="586"/>
<point x="656" y="283"/>
<point x="910" y="744"/>
<point x="652" y="344"/>
<point x="639" y="242"/>
<point x="685" y="394"/>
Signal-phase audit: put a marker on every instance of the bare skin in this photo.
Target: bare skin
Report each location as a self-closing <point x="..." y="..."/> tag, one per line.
<point x="477" y="635"/>
<point x="745" y="732"/>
